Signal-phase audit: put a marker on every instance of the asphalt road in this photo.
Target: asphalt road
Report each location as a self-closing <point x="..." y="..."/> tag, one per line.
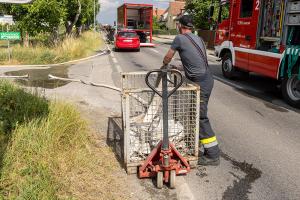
<point x="257" y="131"/>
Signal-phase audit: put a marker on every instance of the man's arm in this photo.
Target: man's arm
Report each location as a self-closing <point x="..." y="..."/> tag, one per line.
<point x="169" y="56"/>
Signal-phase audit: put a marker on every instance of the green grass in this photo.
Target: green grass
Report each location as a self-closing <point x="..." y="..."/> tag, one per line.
<point x="71" y="48"/>
<point x="53" y="155"/>
<point x="18" y="106"/>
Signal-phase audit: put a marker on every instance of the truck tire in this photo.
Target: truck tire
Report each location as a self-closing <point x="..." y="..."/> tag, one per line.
<point x="290" y="89"/>
<point x="228" y="69"/>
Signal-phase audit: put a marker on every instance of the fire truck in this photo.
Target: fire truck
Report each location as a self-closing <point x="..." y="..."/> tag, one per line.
<point x="261" y="36"/>
<point x="137" y="17"/>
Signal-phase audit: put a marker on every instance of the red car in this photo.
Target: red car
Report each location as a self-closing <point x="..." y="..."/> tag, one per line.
<point x="127" y="40"/>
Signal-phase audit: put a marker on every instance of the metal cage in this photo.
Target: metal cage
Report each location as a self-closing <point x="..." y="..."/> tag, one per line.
<point x="142" y="118"/>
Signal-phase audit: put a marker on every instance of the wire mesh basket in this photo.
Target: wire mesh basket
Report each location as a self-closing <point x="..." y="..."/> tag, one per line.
<point x="142" y="118"/>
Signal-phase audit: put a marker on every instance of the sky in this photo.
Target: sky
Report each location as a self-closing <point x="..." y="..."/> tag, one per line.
<point x="108" y="10"/>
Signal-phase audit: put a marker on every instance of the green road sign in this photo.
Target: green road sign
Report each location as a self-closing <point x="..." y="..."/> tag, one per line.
<point x="10" y="36"/>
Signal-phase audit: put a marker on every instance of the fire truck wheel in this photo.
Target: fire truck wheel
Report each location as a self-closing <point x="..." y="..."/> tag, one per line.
<point x="291" y="90"/>
<point x="227" y="66"/>
<point x="172" y="179"/>
<point x="159" y="180"/>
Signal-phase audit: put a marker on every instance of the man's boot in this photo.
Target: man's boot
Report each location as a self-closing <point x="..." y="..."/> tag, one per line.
<point x="206" y="161"/>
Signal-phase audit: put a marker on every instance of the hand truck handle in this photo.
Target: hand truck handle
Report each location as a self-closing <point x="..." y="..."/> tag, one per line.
<point x="161" y="71"/>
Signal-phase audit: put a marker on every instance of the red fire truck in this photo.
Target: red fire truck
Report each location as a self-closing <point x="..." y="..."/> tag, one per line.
<point x="137" y="17"/>
<point x="261" y="36"/>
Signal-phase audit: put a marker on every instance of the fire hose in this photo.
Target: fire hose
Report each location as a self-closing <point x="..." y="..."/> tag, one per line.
<point x="139" y="99"/>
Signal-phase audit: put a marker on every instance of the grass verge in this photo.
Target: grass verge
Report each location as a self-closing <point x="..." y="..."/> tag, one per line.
<point x="71" y="48"/>
<point x="54" y="156"/>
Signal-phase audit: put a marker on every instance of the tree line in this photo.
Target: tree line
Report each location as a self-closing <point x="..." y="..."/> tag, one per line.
<point x="47" y="16"/>
<point x="199" y="9"/>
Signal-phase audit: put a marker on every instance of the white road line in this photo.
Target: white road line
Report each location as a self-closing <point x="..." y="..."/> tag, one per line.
<point x="154" y="50"/>
<point x="183" y="190"/>
<point x="119" y="69"/>
<point x="213" y="57"/>
<point x="114" y="60"/>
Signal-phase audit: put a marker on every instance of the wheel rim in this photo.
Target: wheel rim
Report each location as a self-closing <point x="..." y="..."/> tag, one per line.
<point x="172" y="179"/>
<point x="227" y="65"/>
<point x="293" y="88"/>
<point x="159" y="180"/>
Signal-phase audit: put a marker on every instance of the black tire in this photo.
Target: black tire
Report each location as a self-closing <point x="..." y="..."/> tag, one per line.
<point x="228" y="69"/>
<point x="138" y="50"/>
<point x="116" y="49"/>
<point x="290" y="88"/>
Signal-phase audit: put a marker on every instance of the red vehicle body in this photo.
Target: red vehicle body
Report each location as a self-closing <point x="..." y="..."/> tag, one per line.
<point x="259" y="36"/>
<point x="137" y="17"/>
<point x="127" y="40"/>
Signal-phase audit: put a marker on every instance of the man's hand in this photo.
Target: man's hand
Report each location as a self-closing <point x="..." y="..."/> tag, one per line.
<point x="169" y="56"/>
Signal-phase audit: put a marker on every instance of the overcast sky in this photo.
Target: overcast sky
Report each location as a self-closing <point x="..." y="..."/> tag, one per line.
<point x="108" y="12"/>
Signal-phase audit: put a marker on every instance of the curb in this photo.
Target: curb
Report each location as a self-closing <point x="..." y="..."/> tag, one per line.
<point x="104" y="52"/>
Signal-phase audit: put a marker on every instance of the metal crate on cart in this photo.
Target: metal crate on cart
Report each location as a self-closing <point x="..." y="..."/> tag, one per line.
<point x="142" y="119"/>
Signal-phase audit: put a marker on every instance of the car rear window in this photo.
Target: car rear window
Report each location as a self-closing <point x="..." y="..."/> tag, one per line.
<point x="127" y="34"/>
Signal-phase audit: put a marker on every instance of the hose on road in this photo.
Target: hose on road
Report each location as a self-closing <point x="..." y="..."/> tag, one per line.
<point x="139" y="99"/>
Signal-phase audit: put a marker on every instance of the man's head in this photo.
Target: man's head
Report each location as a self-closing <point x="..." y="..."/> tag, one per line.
<point x="186" y="24"/>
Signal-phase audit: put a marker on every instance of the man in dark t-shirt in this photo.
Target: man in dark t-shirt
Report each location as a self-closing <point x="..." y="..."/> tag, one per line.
<point x="192" y="52"/>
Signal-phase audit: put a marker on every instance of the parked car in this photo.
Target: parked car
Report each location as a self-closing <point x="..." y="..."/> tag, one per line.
<point x="127" y="39"/>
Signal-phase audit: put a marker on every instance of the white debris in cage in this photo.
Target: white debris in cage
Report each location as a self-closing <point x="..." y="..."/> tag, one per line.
<point x="140" y="148"/>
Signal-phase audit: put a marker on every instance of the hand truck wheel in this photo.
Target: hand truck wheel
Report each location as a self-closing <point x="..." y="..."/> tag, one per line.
<point x="172" y="179"/>
<point x="159" y="180"/>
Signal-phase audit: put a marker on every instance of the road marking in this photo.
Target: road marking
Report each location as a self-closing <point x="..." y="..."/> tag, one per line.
<point x="115" y="60"/>
<point x="183" y="191"/>
<point x="119" y="69"/>
<point x="154" y="50"/>
<point x="213" y="57"/>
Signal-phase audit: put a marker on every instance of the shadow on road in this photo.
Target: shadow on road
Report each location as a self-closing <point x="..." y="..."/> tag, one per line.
<point x="256" y="86"/>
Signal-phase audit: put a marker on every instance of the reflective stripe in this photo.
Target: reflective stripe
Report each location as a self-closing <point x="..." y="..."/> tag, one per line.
<point x="208" y="140"/>
<point x="206" y="146"/>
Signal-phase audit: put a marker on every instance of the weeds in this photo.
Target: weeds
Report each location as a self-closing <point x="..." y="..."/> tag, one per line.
<point x="53" y="155"/>
<point x="70" y="48"/>
<point x="18" y="106"/>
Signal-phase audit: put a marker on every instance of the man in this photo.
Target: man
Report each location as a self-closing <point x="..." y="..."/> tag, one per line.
<point x="192" y="52"/>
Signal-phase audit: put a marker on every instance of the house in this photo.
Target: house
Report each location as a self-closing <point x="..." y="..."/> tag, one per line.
<point x="175" y="9"/>
<point x="158" y="13"/>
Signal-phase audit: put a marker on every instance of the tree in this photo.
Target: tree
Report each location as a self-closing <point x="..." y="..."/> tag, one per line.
<point x="40" y="16"/>
<point x="199" y="10"/>
<point x="87" y="14"/>
<point x="45" y="16"/>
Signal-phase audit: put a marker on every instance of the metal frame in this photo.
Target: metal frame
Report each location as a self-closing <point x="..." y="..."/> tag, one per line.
<point x="133" y="85"/>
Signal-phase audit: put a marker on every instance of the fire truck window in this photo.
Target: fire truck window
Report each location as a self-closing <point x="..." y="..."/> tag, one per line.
<point x="225" y="11"/>
<point x="246" y="8"/>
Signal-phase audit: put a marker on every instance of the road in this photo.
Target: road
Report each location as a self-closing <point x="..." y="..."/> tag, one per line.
<point x="257" y="131"/>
